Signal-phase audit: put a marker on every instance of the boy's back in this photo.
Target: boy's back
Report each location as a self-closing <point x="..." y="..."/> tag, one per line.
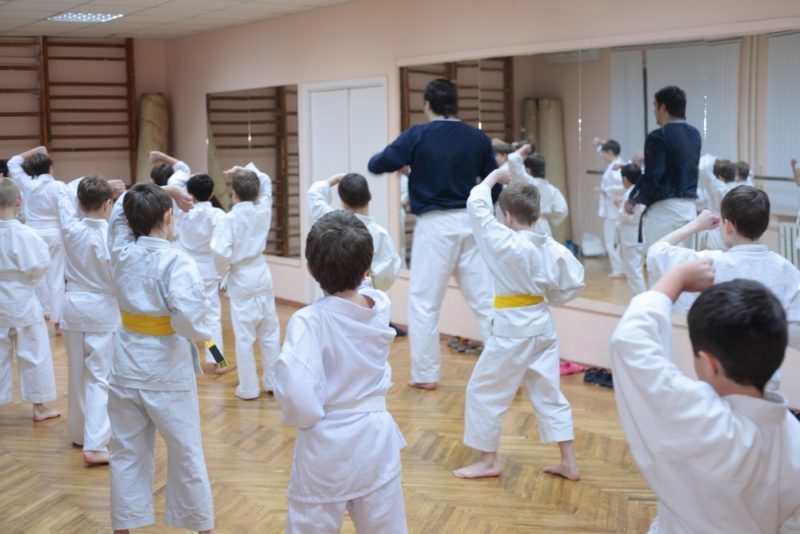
<point x="717" y="464"/>
<point x="195" y="229"/>
<point x="24" y="259"/>
<point x="334" y="363"/>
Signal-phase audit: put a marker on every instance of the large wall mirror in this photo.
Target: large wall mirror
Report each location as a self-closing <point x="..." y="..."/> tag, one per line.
<point x="260" y="125"/>
<point x="741" y="95"/>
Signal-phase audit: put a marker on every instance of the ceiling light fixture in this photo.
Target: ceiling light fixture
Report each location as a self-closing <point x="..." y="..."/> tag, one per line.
<point x="85" y="17"/>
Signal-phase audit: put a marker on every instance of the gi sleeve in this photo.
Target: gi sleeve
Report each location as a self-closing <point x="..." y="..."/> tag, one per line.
<point x="68" y="214"/>
<point x="386" y="263"/>
<point x="494" y="239"/>
<point x="119" y="233"/>
<point x="187" y="301"/>
<point x="299" y="379"/>
<point x="17" y="173"/>
<point x="180" y="174"/>
<point x="570" y="278"/>
<point x="318" y="198"/>
<point x="559" y="209"/>
<point x="222" y="239"/>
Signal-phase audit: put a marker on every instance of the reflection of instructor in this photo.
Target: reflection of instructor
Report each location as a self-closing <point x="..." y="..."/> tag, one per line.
<point x="447" y="157"/>
<point x="668" y="185"/>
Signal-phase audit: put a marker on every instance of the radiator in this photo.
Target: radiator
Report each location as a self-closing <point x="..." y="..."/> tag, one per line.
<point x="787" y="242"/>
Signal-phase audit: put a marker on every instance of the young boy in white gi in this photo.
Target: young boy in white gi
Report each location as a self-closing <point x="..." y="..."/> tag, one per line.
<point x="355" y="196"/>
<point x="744" y="218"/>
<point x="91" y="314"/>
<point x="152" y="385"/>
<point x="239" y="240"/>
<point x="630" y="249"/>
<point x="529" y="270"/>
<point x="32" y="171"/>
<point x="611" y="190"/>
<point x="720" y="453"/>
<point x="331" y="381"/>
<point x="194" y="231"/>
<point x="531" y="169"/>
<point x="24" y="259"/>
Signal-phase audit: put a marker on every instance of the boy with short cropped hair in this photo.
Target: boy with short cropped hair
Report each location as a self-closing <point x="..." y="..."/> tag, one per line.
<point x="611" y="191"/>
<point x="630" y="249"/>
<point x="744" y="219"/>
<point x="239" y="239"/>
<point x="355" y="196"/>
<point x="91" y="314"/>
<point x="331" y="382"/>
<point x="529" y="270"/>
<point x="152" y="385"/>
<point x="24" y="259"/>
<point x="720" y="453"/>
<point x="194" y="231"/>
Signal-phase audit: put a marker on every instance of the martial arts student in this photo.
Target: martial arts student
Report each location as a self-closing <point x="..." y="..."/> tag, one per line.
<point x="355" y="197"/>
<point x="743" y="172"/>
<point x="717" y="176"/>
<point x="668" y="187"/>
<point x="91" y="314"/>
<point x="32" y="172"/>
<point x="630" y="249"/>
<point x="331" y="381"/>
<point x="194" y="231"/>
<point x="720" y="453"/>
<point x="552" y="204"/>
<point x="529" y="271"/>
<point x="446" y="157"/>
<point x="239" y="239"/>
<point x="744" y="218"/>
<point x="167" y="167"/>
<point x="24" y="259"/>
<point x="152" y="385"/>
<point x="611" y="190"/>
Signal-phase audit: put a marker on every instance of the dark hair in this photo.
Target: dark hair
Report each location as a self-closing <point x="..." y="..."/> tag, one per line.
<point x="93" y="192"/>
<point x="145" y="206"/>
<point x="747" y="208"/>
<point x="354" y="190"/>
<point x="674" y="99"/>
<point x="3" y="167"/>
<point x="339" y="251"/>
<point x="200" y="186"/>
<point x="442" y="96"/>
<point x="9" y="193"/>
<point x="161" y="173"/>
<point x="521" y="200"/>
<point x="246" y="185"/>
<point x="503" y="148"/>
<point x="743" y="325"/>
<point x="742" y="169"/>
<point x="535" y="165"/>
<point x="725" y="170"/>
<point x="631" y="172"/>
<point x="611" y="146"/>
<point x="37" y="164"/>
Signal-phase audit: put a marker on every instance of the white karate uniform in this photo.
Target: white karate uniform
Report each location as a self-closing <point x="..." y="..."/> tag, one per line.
<point x="715" y="188"/>
<point x="24" y="260"/>
<point x="751" y="262"/>
<point x="40" y="206"/>
<point x="608" y="209"/>
<point x="630" y="250"/>
<point x="665" y="216"/>
<point x="152" y="385"/>
<point x="553" y="206"/>
<point x="386" y="263"/>
<point x="90" y="322"/>
<point x="717" y="464"/>
<point x="239" y="239"/>
<point x="523" y="347"/>
<point x="331" y="381"/>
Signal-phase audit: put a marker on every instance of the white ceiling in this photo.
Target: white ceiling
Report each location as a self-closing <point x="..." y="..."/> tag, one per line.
<point x="148" y="19"/>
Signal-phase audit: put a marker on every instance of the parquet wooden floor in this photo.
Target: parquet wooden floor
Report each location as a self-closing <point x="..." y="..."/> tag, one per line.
<point x="45" y="487"/>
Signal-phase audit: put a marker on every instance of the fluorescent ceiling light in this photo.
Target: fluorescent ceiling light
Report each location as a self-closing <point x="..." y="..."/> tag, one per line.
<point x="85" y="17"/>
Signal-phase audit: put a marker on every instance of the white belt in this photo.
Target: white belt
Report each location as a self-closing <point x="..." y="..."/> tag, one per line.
<point x="365" y="405"/>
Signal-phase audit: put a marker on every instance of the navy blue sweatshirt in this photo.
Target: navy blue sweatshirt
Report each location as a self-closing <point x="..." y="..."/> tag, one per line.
<point x="447" y="159"/>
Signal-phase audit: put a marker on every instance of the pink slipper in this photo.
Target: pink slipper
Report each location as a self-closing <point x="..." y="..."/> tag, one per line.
<point x="570" y="368"/>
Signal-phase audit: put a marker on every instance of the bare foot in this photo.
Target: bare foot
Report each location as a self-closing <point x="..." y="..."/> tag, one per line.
<point x="219" y="371"/>
<point x="57" y="328"/>
<point x="562" y="470"/>
<point x="423" y="385"/>
<point x="212" y="531"/>
<point x="126" y="531"/>
<point x="480" y="469"/>
<point x="93" y="458"/>
<point x="42" y="413"/>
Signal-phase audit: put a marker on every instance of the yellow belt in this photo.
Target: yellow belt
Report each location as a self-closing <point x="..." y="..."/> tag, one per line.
<point x="517" y="301"/>
<point x="147" y="324"/>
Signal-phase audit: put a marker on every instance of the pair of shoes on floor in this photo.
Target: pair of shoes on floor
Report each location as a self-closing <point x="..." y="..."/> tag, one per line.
<point x="601" y="377"/>
<point x="569" y="368"/>
<point x="398" y="331"/>
<point x="462" y="344"/>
